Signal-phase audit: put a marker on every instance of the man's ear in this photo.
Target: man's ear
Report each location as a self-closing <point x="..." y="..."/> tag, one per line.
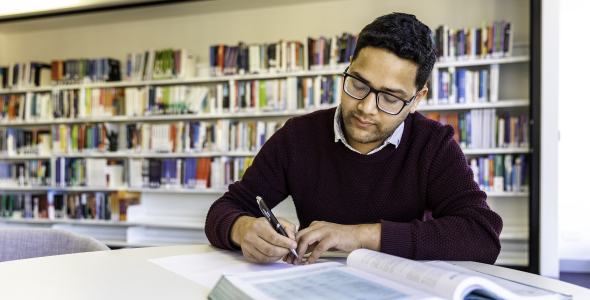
<point x="417" y="100"/>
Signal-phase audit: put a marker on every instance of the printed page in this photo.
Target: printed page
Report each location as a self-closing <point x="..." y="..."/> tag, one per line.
<point x="322" y="281"/>
<point x="440" y="282"/>
<point x="514" y="287"/>
<point x="206" y="268"/>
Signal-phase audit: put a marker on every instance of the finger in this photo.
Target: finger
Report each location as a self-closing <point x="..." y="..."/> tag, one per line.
<point x="288" y="226"/>
<point x="271" y="250"/>
<point x="252" y="254"/>
<point x="272" y="237"/>
<point x="306" y="242"/>
<point x="313" y="226"/>
<point x="322" y="247"/>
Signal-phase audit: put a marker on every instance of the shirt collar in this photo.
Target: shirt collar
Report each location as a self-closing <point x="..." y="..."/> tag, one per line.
<point x="394" y="139"/>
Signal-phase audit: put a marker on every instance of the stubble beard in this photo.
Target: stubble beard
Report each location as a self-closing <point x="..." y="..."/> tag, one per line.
<point x="365" y="137"/>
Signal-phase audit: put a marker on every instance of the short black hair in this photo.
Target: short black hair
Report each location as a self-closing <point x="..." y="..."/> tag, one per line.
<point x="403" y="35"/>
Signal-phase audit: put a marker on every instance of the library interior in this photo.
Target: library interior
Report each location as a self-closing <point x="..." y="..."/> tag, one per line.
<point x="295" y="149"/>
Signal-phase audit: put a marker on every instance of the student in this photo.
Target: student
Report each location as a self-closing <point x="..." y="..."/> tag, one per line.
<point x="372" y="173"/>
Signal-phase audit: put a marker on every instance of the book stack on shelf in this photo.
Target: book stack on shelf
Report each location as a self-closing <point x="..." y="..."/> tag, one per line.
<point x="484" y="129"/>
<point x="110" y="206"/>
<point x="160" y="64"/>
<point x="470" y="43"/>
<point x="24" y="75"/>
<point x="501" y="173"/>
<point x="161" y="130"/>
<point x="76" y="71"/>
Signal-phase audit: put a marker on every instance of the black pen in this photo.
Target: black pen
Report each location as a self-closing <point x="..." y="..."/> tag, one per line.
<point x="271" y="218"/>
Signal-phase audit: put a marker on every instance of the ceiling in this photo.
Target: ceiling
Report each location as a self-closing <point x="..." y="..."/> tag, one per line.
<point x="25" y="9"/>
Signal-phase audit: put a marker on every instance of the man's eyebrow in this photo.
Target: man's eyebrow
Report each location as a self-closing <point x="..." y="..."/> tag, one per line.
<point x="385" y="89"/>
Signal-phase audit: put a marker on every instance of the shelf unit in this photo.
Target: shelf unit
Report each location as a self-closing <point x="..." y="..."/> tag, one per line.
<point x="161" y="229"/>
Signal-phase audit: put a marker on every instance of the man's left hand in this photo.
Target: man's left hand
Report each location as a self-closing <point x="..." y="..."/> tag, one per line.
<point x="321" y="236"/>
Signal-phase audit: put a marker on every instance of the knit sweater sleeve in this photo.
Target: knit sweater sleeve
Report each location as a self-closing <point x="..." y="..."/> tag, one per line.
<point x="266" y="177"/>
<point x="462" y="227"/>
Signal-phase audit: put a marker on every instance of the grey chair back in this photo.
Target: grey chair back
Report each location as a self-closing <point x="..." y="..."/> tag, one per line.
<point x="21" y="243"/>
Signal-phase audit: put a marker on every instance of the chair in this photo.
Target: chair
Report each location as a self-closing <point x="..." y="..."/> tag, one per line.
<point x="21" y="243"/>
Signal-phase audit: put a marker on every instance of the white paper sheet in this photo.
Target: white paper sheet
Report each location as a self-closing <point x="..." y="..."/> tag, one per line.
<point x="206" y="268"/>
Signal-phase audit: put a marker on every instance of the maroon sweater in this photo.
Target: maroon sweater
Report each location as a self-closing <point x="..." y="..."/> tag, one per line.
<point x="423" y="192"/>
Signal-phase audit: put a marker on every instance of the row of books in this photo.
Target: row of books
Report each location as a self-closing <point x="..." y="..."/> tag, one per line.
<point x="23" y="75"/>
<point x="160" y="64"/>
<point x="483" y="128"/>
<point x="25" y="107"/>
<point x="188" y="173"/>
<point x="82" y="103"/>
<point x="22" y="142"/>
<point x="89" y="172"/>
<point x="77" y="71"/>
<point x="195" y="137"/>
<point x="464" y="86"/>
<point x="84" y="138"/>
<point x="501" y="173"/>
<point x="470" y="43"/>
<point x="25" y="174"/>
<point x="97" y="206"/>
<point x="283" y="56"/>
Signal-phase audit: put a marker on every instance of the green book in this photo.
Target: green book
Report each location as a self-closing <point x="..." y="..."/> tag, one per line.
<point x="262" y="94"/>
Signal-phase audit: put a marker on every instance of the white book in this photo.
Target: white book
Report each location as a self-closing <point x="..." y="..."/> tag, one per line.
<point x="187" y="64"/>
<point x="501" y="130"/>
<point x="283" y="63"/>
<point x="475" y="86"/>
<point x="369" y="274"/>
<point x="150" y="64"/>
<point x="494" y="82"/>
<point x="492" y="137"/>
<point x="468" y="86"/>
<point x="434" y="86"/>
<point x="483" y="86"/>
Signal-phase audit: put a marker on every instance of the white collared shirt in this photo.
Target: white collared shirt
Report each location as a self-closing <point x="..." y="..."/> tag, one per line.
<point x="394" y="139"/>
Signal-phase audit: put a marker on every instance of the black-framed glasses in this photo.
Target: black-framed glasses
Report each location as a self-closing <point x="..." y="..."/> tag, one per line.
<point x="358" y="89"/>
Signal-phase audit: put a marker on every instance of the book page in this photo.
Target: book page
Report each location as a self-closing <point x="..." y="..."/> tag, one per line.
<point x="449" y="282"/>
<point x="440" y="282"/>
<point x="318" y="281"/>
<point x="516" y="288"/>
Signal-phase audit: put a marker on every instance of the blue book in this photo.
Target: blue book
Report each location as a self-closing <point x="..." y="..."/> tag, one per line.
<point x="461" y="79"/>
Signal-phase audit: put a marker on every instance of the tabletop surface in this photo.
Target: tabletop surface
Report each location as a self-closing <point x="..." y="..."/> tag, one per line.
<point x="127" y="274"/>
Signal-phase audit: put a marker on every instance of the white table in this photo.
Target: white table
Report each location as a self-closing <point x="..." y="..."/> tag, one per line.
<point x="127" y="274"/>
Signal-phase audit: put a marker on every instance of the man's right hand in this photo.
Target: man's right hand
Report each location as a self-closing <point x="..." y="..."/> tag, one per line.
<point x="259" y="241"/>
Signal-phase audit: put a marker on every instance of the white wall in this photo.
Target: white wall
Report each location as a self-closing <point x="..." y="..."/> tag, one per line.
<point x="549" y="253"/>
<point x="197" y="25"/>
<point x="574" y="144"/>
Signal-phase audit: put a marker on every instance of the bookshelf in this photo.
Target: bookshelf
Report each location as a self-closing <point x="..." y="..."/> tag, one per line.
<point x="512" y="101"/>
<point x="515" y="233"/>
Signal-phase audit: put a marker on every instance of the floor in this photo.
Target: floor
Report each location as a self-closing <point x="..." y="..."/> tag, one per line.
<point x="581" y="279"/>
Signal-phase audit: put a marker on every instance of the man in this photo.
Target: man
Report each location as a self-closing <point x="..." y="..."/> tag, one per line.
<point x="372" y="173"/>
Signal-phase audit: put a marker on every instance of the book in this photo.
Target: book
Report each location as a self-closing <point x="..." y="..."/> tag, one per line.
<point x="493" y="41"/>
<point x="369" y="274"/>
<point x="485" y="128"/>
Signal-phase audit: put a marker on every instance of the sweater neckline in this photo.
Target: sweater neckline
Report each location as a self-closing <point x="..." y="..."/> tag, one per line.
<point x="388" y="151"/>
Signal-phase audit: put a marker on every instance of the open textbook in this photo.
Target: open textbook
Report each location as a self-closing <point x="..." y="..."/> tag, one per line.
<point x="374" y="275"/>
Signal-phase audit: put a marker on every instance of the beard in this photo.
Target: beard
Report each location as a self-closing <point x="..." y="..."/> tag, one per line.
<point x="379" y="133"/>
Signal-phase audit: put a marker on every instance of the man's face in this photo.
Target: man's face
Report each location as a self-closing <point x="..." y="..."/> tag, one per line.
<point x="363" y="122"/>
